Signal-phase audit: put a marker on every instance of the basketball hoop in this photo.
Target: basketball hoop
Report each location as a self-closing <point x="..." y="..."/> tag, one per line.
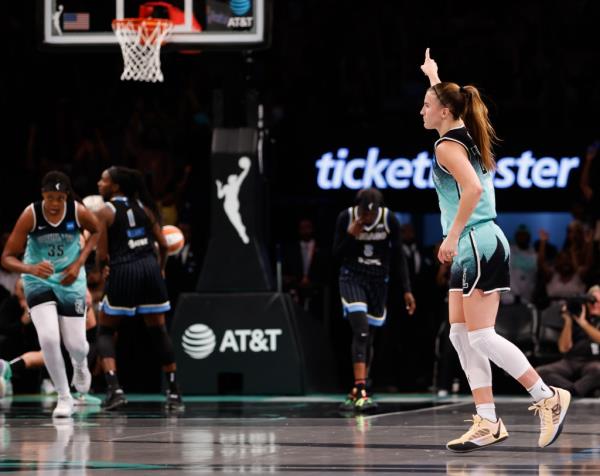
<point x="140" y="40"/>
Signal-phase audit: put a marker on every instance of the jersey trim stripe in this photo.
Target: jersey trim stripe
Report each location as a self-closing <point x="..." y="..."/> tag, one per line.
<point x="77" y="215"/>
<point x="386" y="224"/>
<point x="154" y="308"/>
<point x="496" y="289"/>
<point x="376" y="221"/>
<point x="354" y="306"/>
<point x="54" y="225"/>
<point x="32" y="206"/>
<point x="116" y="310"/>
<point x="477" y="260"/>
<point x="132" y="311"/>
<point x="442" y="139"/>
<point x="377" y="321"/>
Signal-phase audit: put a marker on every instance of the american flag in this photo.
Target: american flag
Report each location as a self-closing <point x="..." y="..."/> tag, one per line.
<point x="76" y="21"/>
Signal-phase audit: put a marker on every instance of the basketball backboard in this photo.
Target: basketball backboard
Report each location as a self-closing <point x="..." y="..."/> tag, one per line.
<point x="202" y="23"/>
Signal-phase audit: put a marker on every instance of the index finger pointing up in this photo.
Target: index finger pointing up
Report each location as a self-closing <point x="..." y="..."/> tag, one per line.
<point x="427" y="53"/>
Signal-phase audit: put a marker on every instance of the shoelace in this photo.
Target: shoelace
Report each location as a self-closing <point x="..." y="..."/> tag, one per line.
<point x="474" y="427"/>
<point x="538" y="409"/>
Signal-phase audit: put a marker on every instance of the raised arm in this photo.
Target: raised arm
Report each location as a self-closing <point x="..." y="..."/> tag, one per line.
<point x="584" y="181"/>
<point x="430" y="68"/>
<point x="243" y="176"/>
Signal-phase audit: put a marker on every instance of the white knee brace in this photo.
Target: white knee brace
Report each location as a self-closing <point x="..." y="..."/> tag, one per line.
<point x="476" y="366"/>
<point x="502" y="352"/>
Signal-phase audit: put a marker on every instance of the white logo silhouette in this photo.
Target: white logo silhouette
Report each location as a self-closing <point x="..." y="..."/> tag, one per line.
<point x="231" y="192"/>
<point x="198" y="341"/>
<point x="56" y="19"/>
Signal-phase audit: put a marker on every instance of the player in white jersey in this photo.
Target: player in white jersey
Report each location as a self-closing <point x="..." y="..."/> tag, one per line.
<point x="479" y="253"/>
<point x="48" y="232"/>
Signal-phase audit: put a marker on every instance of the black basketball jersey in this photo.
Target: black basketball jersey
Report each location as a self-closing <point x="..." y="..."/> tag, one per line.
<point x="375" y="248"/>
<point x="130" y="236"/>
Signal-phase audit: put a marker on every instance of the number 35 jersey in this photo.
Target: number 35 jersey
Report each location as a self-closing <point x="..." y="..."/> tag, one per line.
<point x="57" y="243"/>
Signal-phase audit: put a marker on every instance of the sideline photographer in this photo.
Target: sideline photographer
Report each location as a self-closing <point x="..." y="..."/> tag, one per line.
<point x="579" y="370"/>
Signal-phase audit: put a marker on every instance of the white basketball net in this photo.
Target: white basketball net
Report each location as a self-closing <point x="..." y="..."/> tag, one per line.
<point x="140" y="40"/>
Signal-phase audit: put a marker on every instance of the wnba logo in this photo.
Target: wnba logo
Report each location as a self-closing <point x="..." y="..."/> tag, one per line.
<point x="198" y="341"/>
<point x="239" y="7"/>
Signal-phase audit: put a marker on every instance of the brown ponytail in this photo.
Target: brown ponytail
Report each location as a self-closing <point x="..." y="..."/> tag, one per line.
<point x="466" y="103"/>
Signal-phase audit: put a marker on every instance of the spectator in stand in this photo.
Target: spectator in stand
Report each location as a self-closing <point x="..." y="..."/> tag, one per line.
<point x="563" y="278"/>
<point x="304" y="267"/>
<point x="523" y="268"/>
<point x="578" y="244"/>
<point x="590" y="178"/>
<point x="579" y="370"/>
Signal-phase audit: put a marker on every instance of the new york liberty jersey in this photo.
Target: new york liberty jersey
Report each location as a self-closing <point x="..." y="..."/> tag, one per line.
<point x="483" y="251"/>
<point x="60" y="245"/>
<point x="448" y="189"/>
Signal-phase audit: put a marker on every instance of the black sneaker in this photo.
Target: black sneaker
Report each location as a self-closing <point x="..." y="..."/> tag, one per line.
<point x="115" y="398"/>
<point x="348" y="404"/>
<point x="174" y="402"/>
<point x="364" y="402"/>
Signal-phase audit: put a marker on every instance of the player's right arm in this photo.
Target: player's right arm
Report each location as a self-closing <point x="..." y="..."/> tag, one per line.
<point x="430" y="68"/>
<point x="163" y="246"/>
<point x="106" y="218"/>
<point x="15" y="246"/>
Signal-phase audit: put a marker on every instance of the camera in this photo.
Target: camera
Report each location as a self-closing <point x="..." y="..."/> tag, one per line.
<point x="575" y="303"/>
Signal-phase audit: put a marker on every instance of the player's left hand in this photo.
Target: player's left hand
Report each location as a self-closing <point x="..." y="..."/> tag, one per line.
<point x="70" y="274"/>
<point x="448" y="250"/>
<point x="411" y="304"/>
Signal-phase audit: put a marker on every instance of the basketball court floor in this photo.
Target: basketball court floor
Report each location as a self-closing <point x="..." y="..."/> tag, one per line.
<point x="287" y="435"/>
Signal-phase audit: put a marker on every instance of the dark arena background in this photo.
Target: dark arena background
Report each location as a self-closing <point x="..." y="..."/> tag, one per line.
<point x="271" y="116"/>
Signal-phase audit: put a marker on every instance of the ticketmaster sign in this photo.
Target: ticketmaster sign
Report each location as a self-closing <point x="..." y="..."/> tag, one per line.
<point x="338" y="171"/>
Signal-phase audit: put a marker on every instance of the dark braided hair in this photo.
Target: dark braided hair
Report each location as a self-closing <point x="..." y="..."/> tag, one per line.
<point x="132" y="184"/>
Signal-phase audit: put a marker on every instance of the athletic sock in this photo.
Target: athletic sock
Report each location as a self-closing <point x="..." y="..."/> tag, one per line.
<point x="540" y="391"/>
<point x="172" y="382"/>
<point x="487" y="411"/>
<point x="112" y="380"/>
<point x="17" y="365"/>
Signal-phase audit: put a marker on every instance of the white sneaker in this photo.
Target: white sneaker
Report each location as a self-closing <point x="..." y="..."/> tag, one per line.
<point x="64" y="407"/>
<point x="82" y="379"/>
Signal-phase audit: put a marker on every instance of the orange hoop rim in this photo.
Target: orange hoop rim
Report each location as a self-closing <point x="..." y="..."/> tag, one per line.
<point x="135" y="21"/>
